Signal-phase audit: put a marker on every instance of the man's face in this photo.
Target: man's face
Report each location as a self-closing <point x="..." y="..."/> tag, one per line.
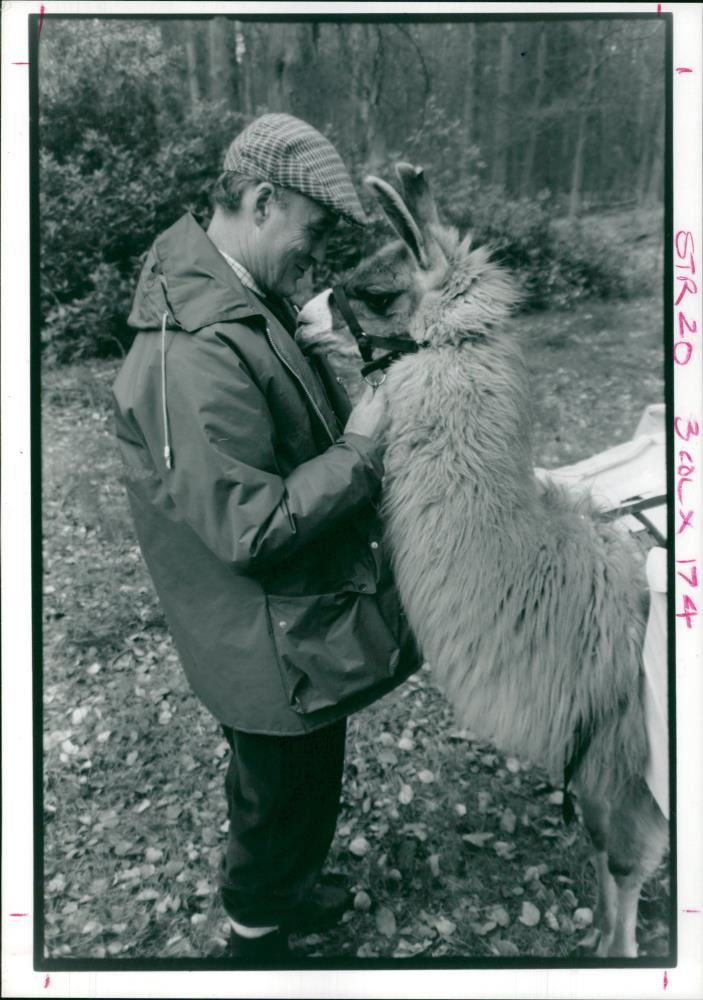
<point x="293" y="234"/>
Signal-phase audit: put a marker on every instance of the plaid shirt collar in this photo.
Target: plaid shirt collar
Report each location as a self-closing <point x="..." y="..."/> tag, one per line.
<point x="242" y="273"/>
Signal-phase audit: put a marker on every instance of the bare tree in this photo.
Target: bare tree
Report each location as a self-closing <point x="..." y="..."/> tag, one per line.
<point x="499" y="171"/>
<point x="220" y="69"/>
<point x="192" y="61"/>
<point x="526" y="178"/>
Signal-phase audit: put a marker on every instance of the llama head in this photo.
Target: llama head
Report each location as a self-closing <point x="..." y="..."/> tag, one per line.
<point x="429" y="285"/>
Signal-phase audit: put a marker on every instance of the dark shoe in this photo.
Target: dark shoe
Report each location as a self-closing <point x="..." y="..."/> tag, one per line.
<point x="322" y="909"/>
<point x="271" y="947"/>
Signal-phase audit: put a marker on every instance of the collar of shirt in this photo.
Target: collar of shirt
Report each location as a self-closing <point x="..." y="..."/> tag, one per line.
<point x="243" y="275"/>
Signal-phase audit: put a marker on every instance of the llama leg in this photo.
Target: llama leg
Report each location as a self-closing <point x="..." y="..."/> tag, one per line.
<point x="596" y="819"/>
<point x="636" y="843"/>
<point x="624" y="942"/>
<point x="607" y="905"/>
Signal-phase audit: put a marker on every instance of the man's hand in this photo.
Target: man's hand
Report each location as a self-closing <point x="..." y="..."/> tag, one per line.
<point x="368" y="415"/>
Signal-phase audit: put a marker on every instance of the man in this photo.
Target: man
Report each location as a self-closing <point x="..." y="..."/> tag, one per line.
<point x="253" y="492"/>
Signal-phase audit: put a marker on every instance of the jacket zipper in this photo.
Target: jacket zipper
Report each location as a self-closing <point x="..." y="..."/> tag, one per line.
<point x="300" y="382"/>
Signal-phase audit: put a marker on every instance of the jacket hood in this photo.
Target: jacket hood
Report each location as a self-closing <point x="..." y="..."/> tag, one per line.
<point x="186" y="277"/>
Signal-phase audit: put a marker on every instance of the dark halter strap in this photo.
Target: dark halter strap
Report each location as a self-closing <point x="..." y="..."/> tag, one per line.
<point x="395" y="346"/>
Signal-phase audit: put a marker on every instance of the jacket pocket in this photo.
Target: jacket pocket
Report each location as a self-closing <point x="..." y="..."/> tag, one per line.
<point x="332" y="646"/>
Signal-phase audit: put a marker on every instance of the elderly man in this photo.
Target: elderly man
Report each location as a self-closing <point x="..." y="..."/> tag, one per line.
<point x="253" y="491"/>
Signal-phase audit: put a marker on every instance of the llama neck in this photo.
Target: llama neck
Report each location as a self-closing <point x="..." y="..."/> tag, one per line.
<point x="481" y="415"/>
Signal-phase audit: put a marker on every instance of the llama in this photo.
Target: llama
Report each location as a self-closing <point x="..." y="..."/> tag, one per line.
<point x="528" y="606"/>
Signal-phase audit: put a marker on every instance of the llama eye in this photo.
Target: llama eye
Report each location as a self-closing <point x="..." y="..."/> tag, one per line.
<point x="378" y="301"/>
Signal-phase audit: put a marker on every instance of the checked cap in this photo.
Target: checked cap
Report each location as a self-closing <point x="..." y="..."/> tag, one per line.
<point x="287" y="151"/>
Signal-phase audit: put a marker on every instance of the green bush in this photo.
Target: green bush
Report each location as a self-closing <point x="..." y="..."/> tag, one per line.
<point x="100" y="209"/>
<point x="553" y="269"/>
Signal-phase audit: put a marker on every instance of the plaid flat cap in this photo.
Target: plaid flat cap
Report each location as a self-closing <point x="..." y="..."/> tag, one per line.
<point x="287" y="151"/>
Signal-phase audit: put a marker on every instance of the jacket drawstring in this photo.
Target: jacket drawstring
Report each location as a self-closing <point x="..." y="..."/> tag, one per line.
<point x="167" y="443"/>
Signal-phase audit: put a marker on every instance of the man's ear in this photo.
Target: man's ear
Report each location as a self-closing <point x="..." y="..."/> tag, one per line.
<point x="264" y="196"/>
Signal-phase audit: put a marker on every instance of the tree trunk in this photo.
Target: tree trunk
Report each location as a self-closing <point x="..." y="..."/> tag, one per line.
<point x="654" y="193"/>
<point x="370" y="84"/>
<point x="582" y="135"/>
<point x="243" y="58"/>
<point x="499" y="172"/>
<point x="283" y="58"/>
<point x="220" y="74"/>
<point x="528" y="164"/>
<point x="468" y="116"/>
<point x="192" y="63"/>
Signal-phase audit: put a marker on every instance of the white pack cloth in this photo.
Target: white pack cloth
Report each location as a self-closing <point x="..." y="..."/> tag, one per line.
<point x="626" y="472"/>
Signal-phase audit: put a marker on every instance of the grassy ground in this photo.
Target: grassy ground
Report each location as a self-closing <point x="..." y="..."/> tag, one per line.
<point x="453" y="849"/>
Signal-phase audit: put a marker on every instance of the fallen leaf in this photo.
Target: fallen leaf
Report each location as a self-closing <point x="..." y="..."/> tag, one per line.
<point x="362" y="901"/>
<point x="405" y="795"/>
<point x="508" y="821"/>
<point x="477" y="839"/>
<point x="504" y="849"/>
<point x="551" y="921"/>
<point x="513" y="765"/>
<point x="426" y="777"/>
<point x="534" y="872"/>
<point x="141" y="806"/>
<point x="583" y="917"/>
<point x="367" y="950"/>
<point x="433" y="862"/>
<point x="445" y="927"/>
<point x="499" y="914"/>
<point x="407" y="948"/>
<point x="484" y="800"/>
<point x="359" y="846"/>
<point x="569" y="899"/>
<point x="387" y="757"/>
<point x="484" y="928"/>
<point x="147" y="894"/>
<point x="460" y="809"/>
<point x="385" y="921"/>
<point x="503" y="947"/>
<point x="405" y="743"/>
<point x="529" y="914"/>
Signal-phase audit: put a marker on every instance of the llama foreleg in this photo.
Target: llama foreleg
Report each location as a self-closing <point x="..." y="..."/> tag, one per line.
<point x="606" y="906"/>
<point x="596" y="818"/>
<point x="636" y="842"/>
<point x="624" y="942"/>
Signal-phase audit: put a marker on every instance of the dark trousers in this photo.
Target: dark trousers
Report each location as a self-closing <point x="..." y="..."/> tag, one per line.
<point x="283" y="799"/>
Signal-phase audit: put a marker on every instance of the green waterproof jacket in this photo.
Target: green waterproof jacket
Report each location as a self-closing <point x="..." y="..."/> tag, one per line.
<point x="254" y="511"/>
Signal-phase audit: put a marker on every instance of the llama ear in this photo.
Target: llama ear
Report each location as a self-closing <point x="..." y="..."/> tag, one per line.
<point x="417" y="196"/>
<point x="400" y="218"/>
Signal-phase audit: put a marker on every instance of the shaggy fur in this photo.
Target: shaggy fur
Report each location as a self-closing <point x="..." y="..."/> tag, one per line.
<point x="529" y="608"/>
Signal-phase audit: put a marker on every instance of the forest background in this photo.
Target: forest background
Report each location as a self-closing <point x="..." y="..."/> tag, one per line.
<point x="526" y="128"/>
